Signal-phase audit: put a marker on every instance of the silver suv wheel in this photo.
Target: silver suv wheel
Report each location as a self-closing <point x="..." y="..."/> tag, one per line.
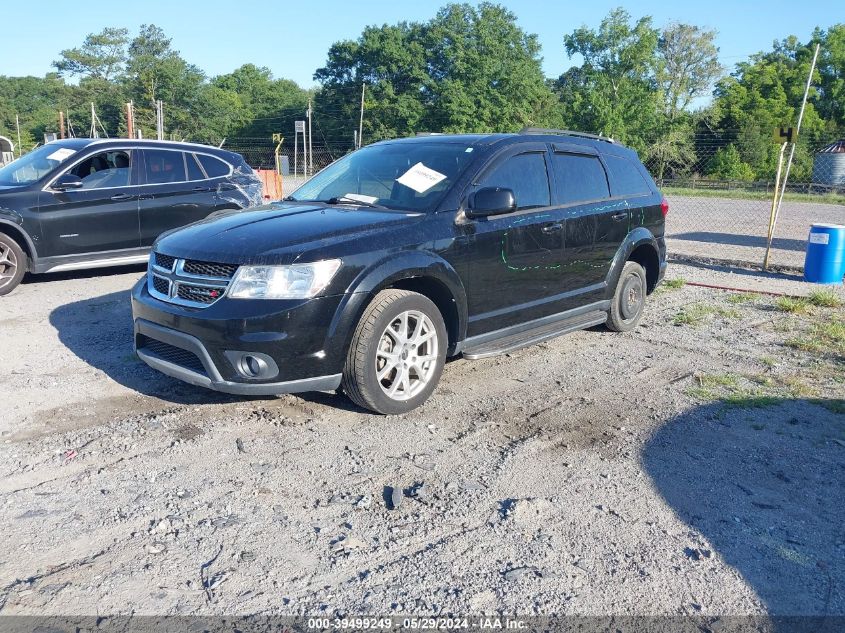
<point x="407" y="355"/>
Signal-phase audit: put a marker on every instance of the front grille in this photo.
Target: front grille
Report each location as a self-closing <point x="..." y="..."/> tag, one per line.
<point x="199" y="294"/>
<point x="188" y="282"/>
<point x="161" y="285"/>
<point x="172" y="354"/>
<point x="164" y="261"/>
<point x="208" y="269"/>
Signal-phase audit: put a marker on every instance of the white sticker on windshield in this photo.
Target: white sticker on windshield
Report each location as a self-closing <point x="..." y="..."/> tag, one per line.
<point x="361" y="197"/>
<point x="61" y="154"/>
<point x="420" y="178"/>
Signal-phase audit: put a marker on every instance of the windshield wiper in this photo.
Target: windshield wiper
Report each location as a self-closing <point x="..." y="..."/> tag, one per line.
<point x="348" y="200"/>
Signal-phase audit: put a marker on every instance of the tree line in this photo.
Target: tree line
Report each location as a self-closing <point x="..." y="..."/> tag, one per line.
<point x="468" y="69"/>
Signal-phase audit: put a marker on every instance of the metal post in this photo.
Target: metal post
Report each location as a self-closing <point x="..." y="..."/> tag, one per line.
<point x="361" y="118"/>
<point x="310" y="146"/>
<point x="18" y="126"/>
<point x="792" y="150"/>
<point x="160" y="120"/>
<point x="295" y="152"/>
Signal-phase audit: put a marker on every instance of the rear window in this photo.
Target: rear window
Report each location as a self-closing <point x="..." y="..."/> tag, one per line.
<point x="625" y="177"/>
<point x="194" y="171"/>
<point x="214" y="167"/>
<point x="579" y="178"/>
<point x="163" y="166"/>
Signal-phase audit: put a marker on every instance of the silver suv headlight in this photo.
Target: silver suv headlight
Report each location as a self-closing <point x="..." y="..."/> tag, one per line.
<point x="297" y="281"/>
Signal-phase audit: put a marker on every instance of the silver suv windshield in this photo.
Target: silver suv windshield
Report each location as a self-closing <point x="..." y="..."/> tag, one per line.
<point x="412" y="176"/>
<point x="35" y="165"/>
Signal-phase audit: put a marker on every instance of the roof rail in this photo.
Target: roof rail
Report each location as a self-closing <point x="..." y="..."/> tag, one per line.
<point x="542" y="130"/>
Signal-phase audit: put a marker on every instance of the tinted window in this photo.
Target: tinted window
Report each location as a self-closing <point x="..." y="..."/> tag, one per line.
<point x="625" y="177"/>
<point x="214" y="167"/>
<point x="105" y="169"/>
<point x="526" y="176"/>
<point x="579" y="178"/>
<point x="164" y="166"/>
<point x="194" y="171"/>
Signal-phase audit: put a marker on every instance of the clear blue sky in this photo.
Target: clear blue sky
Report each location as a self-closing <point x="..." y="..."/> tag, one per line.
<point x="292" y="38"/>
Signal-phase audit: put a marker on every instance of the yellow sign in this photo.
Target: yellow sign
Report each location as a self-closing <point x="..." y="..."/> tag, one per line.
<point x="785" y="135"/>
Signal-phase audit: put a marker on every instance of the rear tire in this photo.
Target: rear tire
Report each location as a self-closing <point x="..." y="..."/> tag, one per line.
<point x="628" y="301"/>
<point x="13" y="264"/>
<point x="397" y="353"/>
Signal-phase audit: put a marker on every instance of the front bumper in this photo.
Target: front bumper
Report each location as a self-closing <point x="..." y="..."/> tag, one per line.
<point x="299" y="339"/>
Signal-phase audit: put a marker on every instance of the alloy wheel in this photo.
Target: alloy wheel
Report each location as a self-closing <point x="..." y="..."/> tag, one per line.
<point x="406" y="357"/>
<point x="8" y="265"/>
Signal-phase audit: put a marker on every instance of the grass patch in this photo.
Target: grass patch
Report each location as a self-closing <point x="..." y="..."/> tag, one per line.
<point x="753" y="391"/>
<point x="675" y="284"/>
<point x="749" y="194"/>
<point x="793" y="305"/>
<point x="695" y="313"/>
<point x="768" y="361"/>
<point x="834" y="406"/>
<point x="742" y="297"/>
<point x="821" y="338"/>
<point x="825" y="298"/>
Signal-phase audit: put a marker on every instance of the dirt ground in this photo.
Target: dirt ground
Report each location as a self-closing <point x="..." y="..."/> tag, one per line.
<point x="694" y="466"/>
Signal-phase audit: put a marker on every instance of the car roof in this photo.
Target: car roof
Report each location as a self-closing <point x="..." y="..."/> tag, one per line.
<point x="81" y="143"/>
<point x="602" y="144"/>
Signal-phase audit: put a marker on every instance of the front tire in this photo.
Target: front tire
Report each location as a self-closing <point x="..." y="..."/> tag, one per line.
<point x="628" y="301"/>
<point x="12" y="264"/>
<point x="397" y="353"/>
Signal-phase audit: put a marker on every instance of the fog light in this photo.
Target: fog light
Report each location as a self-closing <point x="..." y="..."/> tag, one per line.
<point x="253" y="365"/>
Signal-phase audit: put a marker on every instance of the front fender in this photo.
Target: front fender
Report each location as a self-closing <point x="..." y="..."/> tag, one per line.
<point x="636" y="238"/>
<point x="383" y="274"/>
<point x="14" y="220"/>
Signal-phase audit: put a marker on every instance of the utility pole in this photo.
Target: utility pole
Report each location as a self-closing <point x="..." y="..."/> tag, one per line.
<point x="160" y="120"/>
<point x="94" y="133"/>
<point x="361" y="119"/>
<point x="130" y="121"/>
<point x="18" y="126"/>
<point x="61" y="124"/>
<point x="310" y="146"/>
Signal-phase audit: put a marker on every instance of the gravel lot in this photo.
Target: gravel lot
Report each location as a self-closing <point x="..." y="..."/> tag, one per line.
<point x="736" y="230"/>
<point x="680" y="469"/>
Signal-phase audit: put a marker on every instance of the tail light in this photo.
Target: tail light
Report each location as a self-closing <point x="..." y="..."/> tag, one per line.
<point x="664" y="207"/>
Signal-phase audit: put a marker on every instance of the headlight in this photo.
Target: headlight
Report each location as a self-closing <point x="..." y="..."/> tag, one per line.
<point x="297" y="281"/>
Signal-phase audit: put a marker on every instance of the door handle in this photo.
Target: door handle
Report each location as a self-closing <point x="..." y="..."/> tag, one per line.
<point x="552" y="228"/>
<point x="199" y="189"/>
<point x="121" y="196"/>
<point x="620" y="216"/>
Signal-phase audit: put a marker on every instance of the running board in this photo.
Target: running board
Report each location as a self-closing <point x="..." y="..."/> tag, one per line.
<point x="535" y="335"/>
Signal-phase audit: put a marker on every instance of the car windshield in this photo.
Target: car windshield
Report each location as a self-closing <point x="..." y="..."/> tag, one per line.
<point x="34" y="165"/>
<point x="405" y="176"/>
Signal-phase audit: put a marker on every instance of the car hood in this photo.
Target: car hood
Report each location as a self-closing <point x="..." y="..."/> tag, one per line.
<point x="278" y="233"/>
<point x="11" y="188"/>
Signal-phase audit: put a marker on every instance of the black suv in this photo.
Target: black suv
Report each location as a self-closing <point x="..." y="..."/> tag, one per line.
<point x="87" y="203"/>
<point x="399" y="255"/>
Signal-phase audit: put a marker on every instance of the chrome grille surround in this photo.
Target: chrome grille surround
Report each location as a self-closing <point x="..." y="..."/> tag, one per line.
<point x="184" y="288"/>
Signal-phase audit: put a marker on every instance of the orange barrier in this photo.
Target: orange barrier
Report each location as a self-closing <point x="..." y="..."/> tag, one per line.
<point x="271" y="183"/>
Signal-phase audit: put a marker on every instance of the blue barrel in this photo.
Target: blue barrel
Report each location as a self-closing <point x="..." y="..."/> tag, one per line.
<point x="825" y="261"/>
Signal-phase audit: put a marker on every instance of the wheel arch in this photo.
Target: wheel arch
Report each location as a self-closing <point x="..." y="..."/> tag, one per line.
<point x="639" y="246"/>
<point x="20" y="236"/>
<point x="418" y="271"/>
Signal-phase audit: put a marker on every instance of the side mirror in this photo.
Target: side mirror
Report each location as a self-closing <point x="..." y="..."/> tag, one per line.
<point x="68" y="181"/>
<point x="491" y="201"/>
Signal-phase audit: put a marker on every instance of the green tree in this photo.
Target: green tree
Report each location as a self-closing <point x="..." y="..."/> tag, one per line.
<point x="727" y="164"/>
<point x="829" y="99"/>
<point x="614" y="92"/>
<point x="101" y="56"/>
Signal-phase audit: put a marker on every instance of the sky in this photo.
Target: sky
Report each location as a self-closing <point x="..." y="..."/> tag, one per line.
<point x="292" y="38"/>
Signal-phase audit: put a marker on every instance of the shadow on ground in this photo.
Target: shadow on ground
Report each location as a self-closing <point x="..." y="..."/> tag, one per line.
<point x="99" y="331"/>
<point x="765" y="487"/>
<point x="29" y="278"/>
<point x="734" y="239"/>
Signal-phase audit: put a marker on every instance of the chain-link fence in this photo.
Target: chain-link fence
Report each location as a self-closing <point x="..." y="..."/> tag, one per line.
<point x="720" y="193"/>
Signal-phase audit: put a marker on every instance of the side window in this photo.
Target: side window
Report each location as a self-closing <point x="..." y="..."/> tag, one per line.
<point x="104" y="169"/>
<point x="625" y="177"/>
<point x="579" y="178"/>
<point x="214" y="167"/>
<point x="194" y="171"/>
<point x="164" y="166"/>
<point x="525" y="175"/>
